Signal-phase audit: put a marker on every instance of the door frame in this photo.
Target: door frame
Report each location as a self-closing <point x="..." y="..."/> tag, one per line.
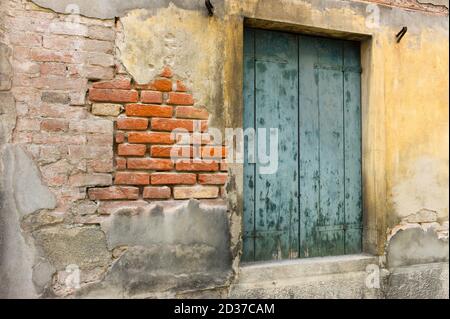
<point x="372" y="126"/>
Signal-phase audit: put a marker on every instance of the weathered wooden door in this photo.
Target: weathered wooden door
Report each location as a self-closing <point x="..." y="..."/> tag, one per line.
<point x="309" y="89"/>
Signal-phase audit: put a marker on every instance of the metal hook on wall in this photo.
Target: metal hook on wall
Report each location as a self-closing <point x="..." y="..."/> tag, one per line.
<point x="400" y="35"/>
<point x="210" y="7"/>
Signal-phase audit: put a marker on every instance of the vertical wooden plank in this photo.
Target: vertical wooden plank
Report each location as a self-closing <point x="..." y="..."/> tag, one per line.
<point x="276" y="196"/>
<point x="309" y="145"/>
<point x="352" y="138"/>
<point x="331" y="147"/>
<point x="249" y="168"/>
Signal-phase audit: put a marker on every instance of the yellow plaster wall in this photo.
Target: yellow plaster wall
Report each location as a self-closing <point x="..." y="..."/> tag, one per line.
<point x="405" y="95"/>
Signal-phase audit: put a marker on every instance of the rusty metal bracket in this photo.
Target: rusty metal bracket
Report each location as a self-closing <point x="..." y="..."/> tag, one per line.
<point x="400" y="35"/>
<point x="210" y="7"/>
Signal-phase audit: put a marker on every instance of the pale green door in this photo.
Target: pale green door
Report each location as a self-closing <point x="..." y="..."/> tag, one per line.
<point x="309" y="89"/>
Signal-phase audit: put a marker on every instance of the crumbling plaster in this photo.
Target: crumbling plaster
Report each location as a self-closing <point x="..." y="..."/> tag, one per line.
<point x="109" y="9"/>
<point x="147" y="44"/>
<point x="164" y="248"/>
<point x="21" y="194"/>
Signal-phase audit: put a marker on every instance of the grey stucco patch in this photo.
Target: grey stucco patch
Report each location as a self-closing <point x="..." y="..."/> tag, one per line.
<point x="27" y="189"/>
<point x="108" y="9"/>
<point x="173" y="222"/>
<point x="161" y="268"/>
<point x="168" y="247"/>
<point x="416" y="246"/>
<point x="21" y="193"/>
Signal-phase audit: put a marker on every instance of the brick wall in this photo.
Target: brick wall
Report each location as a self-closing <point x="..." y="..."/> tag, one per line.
<point x="55" y="58"/>
<point x="114" y="145"/>
<point x="151" y="161"/>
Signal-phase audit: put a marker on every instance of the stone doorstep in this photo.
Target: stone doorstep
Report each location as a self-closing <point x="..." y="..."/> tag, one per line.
<point x="407" y="269"/>
<point x="294" y="269"/>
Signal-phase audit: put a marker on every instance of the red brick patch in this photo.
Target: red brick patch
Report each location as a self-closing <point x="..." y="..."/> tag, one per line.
<point x="113" y="192"/>
<point x="150" y="138"/>
<point x="127" y="178"/>
<point x="127" y="123"/>
<point x="151" y="97"/>
<point x="151" y="192"/>
<point x="113" y="95"/>
<point x="123" y="84"/>
<point x="176" y="98"/>
<point x="147" y="110"/>
<point x="173" y="179"/>
<point x="212" y="179"/>
<point x="160" y="124"/>
<point x="145" y="144"/>
<point x="156" y="164"/>
<point x="131" y="150"/>
<point x="193" y="166"/>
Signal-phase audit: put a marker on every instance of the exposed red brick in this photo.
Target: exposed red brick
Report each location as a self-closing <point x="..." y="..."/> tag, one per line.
<point x="121" y="163"/>
<point x="214" y="152"/>
<point x="173" y="179"/>
<point x="167" y="72"/>
<point x="54" y="125"/>
<point x="150" y="138"/>
<point x="180" y="86"/>
<point x="169" y="151"/>
<point x="127" y="123"/>
<point x="163" y="85"/>
<point x="131" y="149"/>
<point x="127" y="178"/>
<point x="120" y="137"/>
<point x="177" y="98"/>
<point x="212" y="179"/>
<point x="161" y="124"/>
<point x="148" y="110"/>
<point x="190" y="112"/>
<point x="157" y="164"/>
<point x="224" y="167"/>
<point x="199" y="192"/>
<point x="113" y="95"/>
<point x="113" y="192"/>
<point x="123" y="84"/>
<point x="193" y="139"/>
<point x="192" y="166"/>
<point x="152" y="192"/>
<point x="151" y="97"/>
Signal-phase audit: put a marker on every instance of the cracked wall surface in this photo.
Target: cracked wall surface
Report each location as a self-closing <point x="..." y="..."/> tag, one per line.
<point x="55" y="144"/>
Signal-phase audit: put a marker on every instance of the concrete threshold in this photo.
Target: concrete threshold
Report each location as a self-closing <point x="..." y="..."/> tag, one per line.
<point x="306" y="267"/>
